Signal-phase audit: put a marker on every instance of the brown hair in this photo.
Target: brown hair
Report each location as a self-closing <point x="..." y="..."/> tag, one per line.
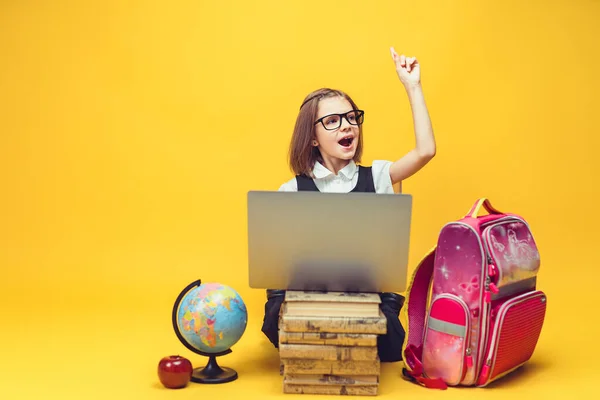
<point x="302" y="154"/>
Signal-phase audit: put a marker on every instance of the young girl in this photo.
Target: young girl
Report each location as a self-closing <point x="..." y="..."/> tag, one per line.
<point x="325" y="150"/>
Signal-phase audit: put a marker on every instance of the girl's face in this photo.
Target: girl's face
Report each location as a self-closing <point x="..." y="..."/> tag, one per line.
<point x="338" y="142"/>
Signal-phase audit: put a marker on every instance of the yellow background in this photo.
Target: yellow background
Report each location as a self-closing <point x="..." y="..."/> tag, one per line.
<point x="131" y="132"/>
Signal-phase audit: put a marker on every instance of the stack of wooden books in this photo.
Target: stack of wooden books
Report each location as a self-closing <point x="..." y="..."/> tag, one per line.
<point x="328" y="342"/>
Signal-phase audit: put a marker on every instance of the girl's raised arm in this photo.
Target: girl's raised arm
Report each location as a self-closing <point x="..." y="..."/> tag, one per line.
<point x="409" y="72"/>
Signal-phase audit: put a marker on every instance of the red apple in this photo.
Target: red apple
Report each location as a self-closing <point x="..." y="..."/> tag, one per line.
<point x="174" y="372"/>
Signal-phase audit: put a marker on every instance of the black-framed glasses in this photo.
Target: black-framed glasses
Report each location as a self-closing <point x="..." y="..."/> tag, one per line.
<point x="332" y="122"/>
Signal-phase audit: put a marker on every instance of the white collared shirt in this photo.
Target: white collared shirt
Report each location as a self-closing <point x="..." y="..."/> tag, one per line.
<point x="346" y="179"/>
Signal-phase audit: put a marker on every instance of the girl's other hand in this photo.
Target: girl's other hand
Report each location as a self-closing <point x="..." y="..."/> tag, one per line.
<point x="408" y="69"/>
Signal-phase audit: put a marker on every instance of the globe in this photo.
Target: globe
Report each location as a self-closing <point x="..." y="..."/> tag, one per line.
<point x="209" y="318"/>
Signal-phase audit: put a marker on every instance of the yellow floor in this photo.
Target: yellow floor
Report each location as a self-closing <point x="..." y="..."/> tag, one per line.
<point x="111" y="352"/>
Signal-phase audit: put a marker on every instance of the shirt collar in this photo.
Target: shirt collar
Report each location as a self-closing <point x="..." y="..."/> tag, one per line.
<point x="320" y="171"/>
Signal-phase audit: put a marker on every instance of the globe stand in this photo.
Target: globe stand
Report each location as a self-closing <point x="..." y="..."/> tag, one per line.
<point x="212" y="372"/>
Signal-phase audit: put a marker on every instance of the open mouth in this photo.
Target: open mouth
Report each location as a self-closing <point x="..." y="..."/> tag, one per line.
<point x="347" y="141"/>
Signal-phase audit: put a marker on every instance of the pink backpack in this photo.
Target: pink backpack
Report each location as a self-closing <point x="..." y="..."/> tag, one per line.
<point x="485" y="314"/>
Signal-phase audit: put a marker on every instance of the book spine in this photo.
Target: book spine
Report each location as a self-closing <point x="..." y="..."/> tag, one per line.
<point x="329" y="367"/>
<point x="327" y="352"/>
<point x="328" y="338"/>
<point x="323" y="379"/>
<point x="289" y="388"/>
<point x="373" y="325"/>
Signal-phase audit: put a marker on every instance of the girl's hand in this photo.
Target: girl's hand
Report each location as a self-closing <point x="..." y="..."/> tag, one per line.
<point x="408" y="69"/>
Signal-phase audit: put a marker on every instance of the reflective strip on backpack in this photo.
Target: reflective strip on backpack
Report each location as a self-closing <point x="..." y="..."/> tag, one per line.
<point x="447" y="327"/>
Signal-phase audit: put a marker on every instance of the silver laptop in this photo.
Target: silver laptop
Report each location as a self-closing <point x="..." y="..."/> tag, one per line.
<point x="355" y="242"/>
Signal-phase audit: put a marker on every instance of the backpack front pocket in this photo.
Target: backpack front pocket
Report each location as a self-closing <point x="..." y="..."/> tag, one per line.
<point x="446" y="351"/>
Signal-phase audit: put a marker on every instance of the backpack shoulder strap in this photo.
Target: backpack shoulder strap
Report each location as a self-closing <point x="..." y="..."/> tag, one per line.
<point x="413" y="317"/>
